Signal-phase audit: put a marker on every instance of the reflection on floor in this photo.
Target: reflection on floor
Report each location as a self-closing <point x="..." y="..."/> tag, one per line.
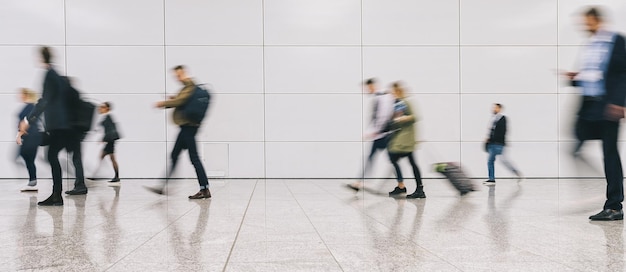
<point x="310" y="225"/>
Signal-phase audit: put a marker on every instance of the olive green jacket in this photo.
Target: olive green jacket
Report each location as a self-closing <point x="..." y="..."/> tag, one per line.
<point x="180" y="99"/>
<point x="403" y="140"/>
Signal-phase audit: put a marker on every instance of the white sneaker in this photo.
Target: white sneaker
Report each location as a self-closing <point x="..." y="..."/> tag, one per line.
<point x="29" y="189"/>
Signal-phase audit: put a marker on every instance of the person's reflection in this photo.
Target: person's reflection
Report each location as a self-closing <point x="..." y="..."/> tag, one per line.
<point x="613" y="233"/>
<point x="189" y="252"/>
<point x="32" y="254"/>
<point x="110" y="227"/>
<point x="460" y="211"/>
<point x="496" y="220"/>
<point x="418" y="219"/>
<point x="77" y="237"/>
<point x="405" y="247"/>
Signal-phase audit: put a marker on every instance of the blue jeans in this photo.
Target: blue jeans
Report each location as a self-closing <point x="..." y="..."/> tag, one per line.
<point x="495" y="150"/>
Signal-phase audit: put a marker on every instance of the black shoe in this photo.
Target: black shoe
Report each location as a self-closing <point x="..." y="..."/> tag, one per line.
<point x="489" y="182"/>
<point x="158" y="191"/>
<point x="52" y="201"/>
<point x="350" y="186"/>
<point x="419" y="193"/>
<point x="204" y="193"/>
<point x="608" y="215"/>
<point x="397" y="191"/>
<point x="81" y="191"/>
<point x="116" y="179"/>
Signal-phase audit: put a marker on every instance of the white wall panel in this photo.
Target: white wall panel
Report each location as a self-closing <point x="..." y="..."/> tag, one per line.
<point x="529" y="117"/>
<point x="487" y="22"/>
<point x="21" y="67"/>
<point x="313" y="118"/>
<point x="222" y="22"/>
<point x="32" y="22"/>
<point x="246" y="160"/>
<point x="304" y="22"/>
<point x="439" y="117"/>
<point x="235" y="117"/>
<point x="125" y="69"/>
<point x="136" y="118"/>
<point x="508" y="69"/>
<point x="423" y="69"/>
<point x="312" y="159"/>
<point x="141" y="159"/>
<point x="228" y="69"/>
<point x="407" y="22"/>
<point x="569" y="61"/>
<point x="114" y="22"/>
<point x="312" y="70"/>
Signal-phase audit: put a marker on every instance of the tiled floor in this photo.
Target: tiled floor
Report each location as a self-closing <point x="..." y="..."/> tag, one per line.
<point x="310" y="225"/>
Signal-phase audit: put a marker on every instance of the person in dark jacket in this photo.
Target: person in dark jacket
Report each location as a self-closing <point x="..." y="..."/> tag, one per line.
<point x="110" y="136"/>
<point x="54" y="104"/>
<point x="602" y="80"/>
<point x="495" y="144"/>
<point x="29" y="143"/>
<point x="187" y="136"/>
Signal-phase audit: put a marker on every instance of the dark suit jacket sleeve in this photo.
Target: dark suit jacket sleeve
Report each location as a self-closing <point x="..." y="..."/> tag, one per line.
<point x="49" y="83"/>
<point x="616" y="74"/>
<point x="499" y="132"/>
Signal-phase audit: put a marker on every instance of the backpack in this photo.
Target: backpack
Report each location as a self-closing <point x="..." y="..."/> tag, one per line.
<point x="81" y="112"/>
<point x="197" y="104"/>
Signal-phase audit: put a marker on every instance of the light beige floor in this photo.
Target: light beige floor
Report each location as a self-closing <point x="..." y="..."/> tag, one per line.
<point x="310" y="225"/>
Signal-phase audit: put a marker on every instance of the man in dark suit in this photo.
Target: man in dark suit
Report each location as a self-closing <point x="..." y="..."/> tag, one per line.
<point x="495" y="143"/>
<point x="54" y="104"/>
<point x="602" y="79"/>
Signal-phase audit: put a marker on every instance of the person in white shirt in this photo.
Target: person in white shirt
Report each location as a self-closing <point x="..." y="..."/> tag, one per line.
<point x="382" y="112"/>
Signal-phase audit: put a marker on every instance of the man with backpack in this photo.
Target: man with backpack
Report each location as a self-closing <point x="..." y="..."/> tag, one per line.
<point x="189" y="105"/>
<point x="56" y="104"/>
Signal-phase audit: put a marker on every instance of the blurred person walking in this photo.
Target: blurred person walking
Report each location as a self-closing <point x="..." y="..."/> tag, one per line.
<point x="188" y="129"/>
<point x="111" y="135"/>
<point x="402" y="142"/>
<point x="56" y="107"/>
<point x="602" y="79"/>
<point x="495" y="142"/>
<point x="382" y="111"/>
<point x="77" y="115"/>
<point x="29" y="142"/>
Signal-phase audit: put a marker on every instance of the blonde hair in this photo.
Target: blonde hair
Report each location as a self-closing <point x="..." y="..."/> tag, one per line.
<point x="398" y="89"/>
<point x="29" y="94"/>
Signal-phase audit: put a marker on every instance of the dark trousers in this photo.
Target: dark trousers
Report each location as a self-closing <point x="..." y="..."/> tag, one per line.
<point x="612" y="166"/>
<point x="378" y="144"/>
<point x="394" y="157"/>
<point x="70" y="141"/>
<point x="28" y="151"/>
<point x="187" y="140"/>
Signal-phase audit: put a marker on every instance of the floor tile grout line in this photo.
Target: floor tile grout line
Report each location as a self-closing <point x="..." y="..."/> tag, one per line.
<point x="152" y="237"/>
<point x="243" y="218"/>
<point x="315" y="228"/>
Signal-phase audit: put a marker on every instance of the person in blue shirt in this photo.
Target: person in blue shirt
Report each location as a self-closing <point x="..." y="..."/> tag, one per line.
<point x="602" y="80"/>
<point x="29" y="143"/>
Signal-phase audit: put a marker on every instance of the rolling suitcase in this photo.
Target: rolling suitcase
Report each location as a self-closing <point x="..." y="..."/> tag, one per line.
<point x="456" y="176"/>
